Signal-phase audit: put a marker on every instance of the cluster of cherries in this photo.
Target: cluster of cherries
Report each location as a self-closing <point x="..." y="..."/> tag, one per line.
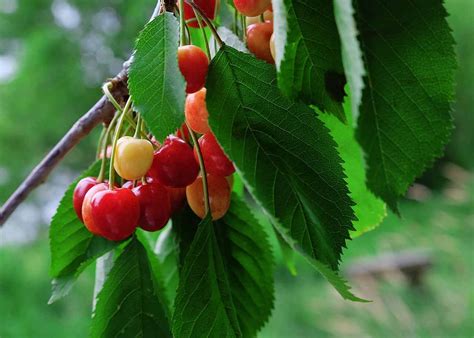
<point x="159" y="178"/>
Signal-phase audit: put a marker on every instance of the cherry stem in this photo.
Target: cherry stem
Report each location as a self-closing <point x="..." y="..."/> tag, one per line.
<point x="182" y="23"/>
<point x="111" y="98"/>
<point x="207" y="20"/>
<point x="138" y="127"/>
<point x="100" y="178"/>
<point x="100" y="141"/>
<point x="203" y="170"/>
<point x="114" y="144"/>
<point x="198" y="17"/>
<point x="244" y="28"/>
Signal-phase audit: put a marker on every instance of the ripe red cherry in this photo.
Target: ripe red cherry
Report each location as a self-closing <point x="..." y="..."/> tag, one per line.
<point x="177" y="197"/>
<point x="215" y="160"/>
<point x="155" y="207"/>
<point x="196" y="112"/>
<point x="252" y="7"/>
<point x="258" y="40"/>
<point x="193" y="64"/>
<point x="87" y="209"/>
<point x="185" y="134"/>
<point x="219" y="196"/>
<point x="80" y="191"/>
<point x="112" y="214"/>
<point x="174" y="164"/>
<point x="209" y="7"/>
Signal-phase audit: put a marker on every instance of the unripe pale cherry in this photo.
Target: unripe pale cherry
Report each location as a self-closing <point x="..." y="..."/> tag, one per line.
<point x="193" y="64"/>
<point x="258" y="40"/>
<point x="209" y="7"/>
<point x="155" y="207"/>
<point x="174" y="164"/>
<point x="252" y="7"/>
<point x="215" y="160"/>
<point x="133" y="157"/>
<point x="219" y="196"/>
<point x="196" y="112"/>
<point x="80" y="191"/>
<point x="112" y="214"/>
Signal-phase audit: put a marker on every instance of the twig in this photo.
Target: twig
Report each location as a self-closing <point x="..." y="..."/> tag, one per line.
<point x="102" y="111"/>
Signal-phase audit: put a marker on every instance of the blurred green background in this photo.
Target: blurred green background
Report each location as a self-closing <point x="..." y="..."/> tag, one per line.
<point x="54" y="56"/>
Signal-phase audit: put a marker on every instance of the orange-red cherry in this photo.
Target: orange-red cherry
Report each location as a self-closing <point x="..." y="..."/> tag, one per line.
<point x="219" y="196"/>
<point x="215" y="160"/>
<point x="80" y="191"/>
<point x="155" y="207"/>
<point x="174" y="164"/>
<point x="112" y="214"/>
<point x="193" y="64"/>
<point x="209" y="7"/>
<point x="258" y="40"/>
<point x="252" y="7"/>
<point x="196" y="112"/>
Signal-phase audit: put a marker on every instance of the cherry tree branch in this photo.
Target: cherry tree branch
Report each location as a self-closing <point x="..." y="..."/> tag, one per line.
<point x="101" y="111"/>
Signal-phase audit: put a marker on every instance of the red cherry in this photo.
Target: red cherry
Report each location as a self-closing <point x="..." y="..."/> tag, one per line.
<point x="80" y="191"/>
<point x="174" y="164"/>
<point x="114" y="213"/>
<point x="252" y="7"/>
<point x="185" y="130"/>
<point x="155" y="207"/>
<point x="193" y="64"/>
<point x="215" y="160"/>
<point x="177" y="197"/>
<point x="196" y="112"/>
<point x="258" y="40"/>
<point x="207" y="6"/>
<point x="87" y="209"/>
<point x="129" y="184"/>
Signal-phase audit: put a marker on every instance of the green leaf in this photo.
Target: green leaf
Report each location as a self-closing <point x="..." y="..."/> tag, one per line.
<point x="72" y="246"/>
<point x="284" y="153"/>
<point x="369" y="210"/>
<point x="405" y="119"/>
<point x="155" y="81"/>
<point x="287" y="253"/>
<point x="226" y="282"/>
<point x="310" y="68"/>
<point x="128" y="304"/>
<point x="166" y="251"/>
<point x="351" y="52"/>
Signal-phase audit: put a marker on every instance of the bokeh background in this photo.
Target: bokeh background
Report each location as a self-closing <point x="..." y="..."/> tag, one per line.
<point x="54" y="56"/>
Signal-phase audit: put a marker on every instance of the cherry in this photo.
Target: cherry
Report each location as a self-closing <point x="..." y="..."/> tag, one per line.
<point x="133" y="157"/>
<point x="193" y="64"/>
<point x="80" y="191"/>
<point x="272" y="46"/>
<point x="129" y="184"/>
<point x="174" y="164"/>
<point x="267" y="16"/>
<point x="215" y="160"/>
<point x="185" y="134"/>
<point x="155" y="207"/>
<point x="196" y="112"/>
<point x="112" y="214"/>
<point x="209" y="7"/>
<point x="252" y="7"/>
<point x="219" y="196"/>
<point x="258" y="40"/>
<point x="177" y="197"/>
<point x="108" y="152"/>
<point x="86" y="208"/>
